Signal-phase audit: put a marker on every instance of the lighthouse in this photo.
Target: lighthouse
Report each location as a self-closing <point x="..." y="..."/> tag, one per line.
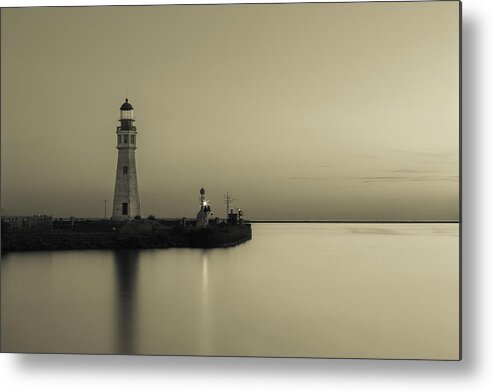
<point x="126" y="202"/>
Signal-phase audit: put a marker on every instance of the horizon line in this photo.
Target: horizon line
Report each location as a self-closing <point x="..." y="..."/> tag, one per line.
<point x="261" y="220"/>
<point x="353" y="221"/>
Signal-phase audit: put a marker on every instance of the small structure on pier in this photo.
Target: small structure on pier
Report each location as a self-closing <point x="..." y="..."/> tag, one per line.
<point x="204" y="214"/>
<point x="35" y="222"/>
<point x="235" y="218"/>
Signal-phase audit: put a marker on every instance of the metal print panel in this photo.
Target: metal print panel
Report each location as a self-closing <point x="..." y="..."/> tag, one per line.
<point x="274" y="180"/>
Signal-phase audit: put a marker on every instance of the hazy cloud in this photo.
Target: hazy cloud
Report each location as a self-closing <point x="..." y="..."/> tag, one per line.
<point x="450" y="154"/>
<point x="409" y="179"/>
<point x="411" y="171"/>
<point x="311" y="178"/>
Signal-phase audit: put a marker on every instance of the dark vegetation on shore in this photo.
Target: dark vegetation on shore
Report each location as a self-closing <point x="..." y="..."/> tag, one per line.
<point x="139" y="234"/>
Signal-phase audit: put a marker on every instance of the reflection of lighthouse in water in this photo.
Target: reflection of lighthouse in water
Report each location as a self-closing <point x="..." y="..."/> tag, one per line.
<point x="126" y="270"/>
<point x="204" y="213"/>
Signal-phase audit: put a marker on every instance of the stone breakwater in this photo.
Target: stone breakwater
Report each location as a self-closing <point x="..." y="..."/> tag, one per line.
<point x="137" y="234"/>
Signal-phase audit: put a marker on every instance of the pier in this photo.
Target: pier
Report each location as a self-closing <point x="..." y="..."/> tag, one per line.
<point x="135" y="234"/>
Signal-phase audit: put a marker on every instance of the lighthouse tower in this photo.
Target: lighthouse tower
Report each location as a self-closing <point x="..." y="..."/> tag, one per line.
<point x="126" y="203"/>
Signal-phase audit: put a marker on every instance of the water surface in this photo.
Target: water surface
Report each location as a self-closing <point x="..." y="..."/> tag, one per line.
<point x="330" y="290"/>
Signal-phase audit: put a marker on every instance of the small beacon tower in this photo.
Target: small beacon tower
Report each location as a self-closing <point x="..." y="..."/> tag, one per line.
<point x="204" y="214"/>
<point x="126" y="202"/>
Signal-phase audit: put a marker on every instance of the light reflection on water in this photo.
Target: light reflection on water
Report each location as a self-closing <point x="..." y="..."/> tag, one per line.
<point x="205" y="309"/>
<point x="331" y="290"/>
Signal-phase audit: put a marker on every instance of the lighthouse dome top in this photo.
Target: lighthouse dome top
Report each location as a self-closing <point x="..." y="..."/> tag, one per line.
<point x="126" y="105"/>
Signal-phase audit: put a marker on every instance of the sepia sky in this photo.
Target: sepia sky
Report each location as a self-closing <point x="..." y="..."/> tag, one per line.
<point x="301" y="111"/>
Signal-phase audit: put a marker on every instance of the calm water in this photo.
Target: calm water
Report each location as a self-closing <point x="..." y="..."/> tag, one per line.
<point x="331" y="290"/>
